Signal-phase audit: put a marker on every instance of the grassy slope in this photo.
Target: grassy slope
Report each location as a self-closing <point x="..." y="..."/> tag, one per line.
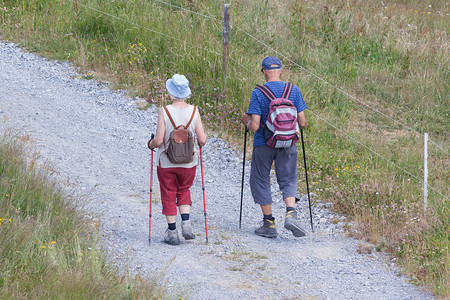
<point x="49" y="249"/>
<point x="392" y="57"/>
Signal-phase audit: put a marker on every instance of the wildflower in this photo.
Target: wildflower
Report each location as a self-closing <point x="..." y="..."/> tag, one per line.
<point x="53" y="242"/>
<point x="43" y="247"/>
<point x="336" y="169"/>
<point x="81" y="253"/>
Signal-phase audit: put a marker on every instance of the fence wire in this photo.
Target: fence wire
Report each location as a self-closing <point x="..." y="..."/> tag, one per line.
<point x="308" y="71"/>
<point x="291" y="61"/>
<point x="160" y="33"/>
<point x="373" y="151"/>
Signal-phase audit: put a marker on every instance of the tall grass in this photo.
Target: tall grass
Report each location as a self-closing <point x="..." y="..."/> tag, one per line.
<point x="49" y="249"/>
<point x="390" y="56"/>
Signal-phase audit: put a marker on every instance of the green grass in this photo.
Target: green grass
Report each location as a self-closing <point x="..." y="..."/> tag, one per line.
<point x="392" y="57"/>
<point x="49" y="249"/>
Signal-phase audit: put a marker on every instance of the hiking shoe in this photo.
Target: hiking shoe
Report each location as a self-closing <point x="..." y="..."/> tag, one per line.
<point x="268" y="229"/>
<point x="171" y="237"/>
<point x="186" y="230"/>
<point x="291" y="223"/>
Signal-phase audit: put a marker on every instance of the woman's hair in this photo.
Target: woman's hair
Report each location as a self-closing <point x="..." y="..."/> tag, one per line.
<point x="175" y="98"/>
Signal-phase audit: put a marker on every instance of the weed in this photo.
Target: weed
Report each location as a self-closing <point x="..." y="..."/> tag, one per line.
<point x="392" y="57"/>
<point x="48" y="248"/>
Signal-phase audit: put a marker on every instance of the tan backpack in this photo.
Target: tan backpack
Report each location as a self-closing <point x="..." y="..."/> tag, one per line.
<point x="180" y="147"/>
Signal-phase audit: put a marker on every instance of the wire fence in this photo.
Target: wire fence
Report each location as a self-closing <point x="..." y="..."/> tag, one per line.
<point x="308" y="71"/>
<point x="257" y="76"/>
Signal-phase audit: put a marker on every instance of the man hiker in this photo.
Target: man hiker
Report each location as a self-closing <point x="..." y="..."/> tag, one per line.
<point x="284" y="155"/>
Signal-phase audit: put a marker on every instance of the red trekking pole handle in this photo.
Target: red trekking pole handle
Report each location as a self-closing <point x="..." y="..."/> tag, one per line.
<point x="204" y="197"/>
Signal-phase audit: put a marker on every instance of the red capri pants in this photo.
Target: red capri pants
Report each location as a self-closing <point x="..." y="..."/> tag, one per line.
<point x="174" y="184"/>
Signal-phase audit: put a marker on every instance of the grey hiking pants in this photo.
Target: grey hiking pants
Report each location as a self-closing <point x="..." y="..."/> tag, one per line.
<point x="285" y="169"/>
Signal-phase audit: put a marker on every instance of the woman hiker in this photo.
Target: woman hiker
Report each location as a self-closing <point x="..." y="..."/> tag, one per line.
<point x="176" y="179"/>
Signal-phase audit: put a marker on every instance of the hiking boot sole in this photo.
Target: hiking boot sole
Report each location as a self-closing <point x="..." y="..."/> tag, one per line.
<point x="188" y="236"/>
<point x="173" y="242"/>
<point x="296" y="231"/>
<point x="267" y="235"/>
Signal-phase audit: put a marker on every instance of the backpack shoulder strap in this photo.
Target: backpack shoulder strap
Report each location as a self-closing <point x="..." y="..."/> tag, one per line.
<point x="287" y="90"/>
<point x="266" y="91"/>
<point x="192" y="117"/>
<point x="170" y="117"/>
<point x="173" y="123"/>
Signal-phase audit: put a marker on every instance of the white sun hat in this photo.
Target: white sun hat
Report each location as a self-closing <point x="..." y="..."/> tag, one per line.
<point x="178" y="86"/>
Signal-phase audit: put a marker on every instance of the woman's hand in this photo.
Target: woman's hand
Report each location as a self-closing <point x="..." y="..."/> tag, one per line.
<point x="150" y="142"/>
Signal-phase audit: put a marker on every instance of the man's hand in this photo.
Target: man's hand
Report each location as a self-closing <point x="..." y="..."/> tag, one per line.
<point x="251" y="121"/>
<point x="246" y="119"/>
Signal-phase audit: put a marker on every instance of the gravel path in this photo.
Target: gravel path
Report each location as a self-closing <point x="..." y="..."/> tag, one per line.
<point x="96" y="140"/>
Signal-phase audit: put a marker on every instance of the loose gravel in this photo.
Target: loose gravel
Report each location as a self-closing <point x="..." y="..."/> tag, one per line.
<point x="95" y="139"/>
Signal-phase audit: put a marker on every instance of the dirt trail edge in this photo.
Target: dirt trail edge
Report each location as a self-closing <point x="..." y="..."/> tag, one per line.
<point x="95" y="139"/>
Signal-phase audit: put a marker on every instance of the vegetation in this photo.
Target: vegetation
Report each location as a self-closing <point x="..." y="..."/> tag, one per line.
<point x="49" y="249"/>
<point x="388" y="60"/>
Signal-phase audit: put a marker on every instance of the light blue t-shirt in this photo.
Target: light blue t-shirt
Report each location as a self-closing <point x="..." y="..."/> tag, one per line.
<point x="259" y="105"/>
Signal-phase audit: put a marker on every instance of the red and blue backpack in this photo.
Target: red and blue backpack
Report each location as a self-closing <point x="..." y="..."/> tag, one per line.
<point x="281" y="127"/>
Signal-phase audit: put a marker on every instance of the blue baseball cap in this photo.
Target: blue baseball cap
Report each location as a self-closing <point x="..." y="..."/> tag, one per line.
<point x="270" y="63"/>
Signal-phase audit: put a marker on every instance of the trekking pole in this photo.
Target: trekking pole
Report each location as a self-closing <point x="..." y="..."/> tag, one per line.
<point x="204" y="197"/>
<point x="306" y="176"/>
<point x="151" y="191"/>
<point x="243" y="172"/>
